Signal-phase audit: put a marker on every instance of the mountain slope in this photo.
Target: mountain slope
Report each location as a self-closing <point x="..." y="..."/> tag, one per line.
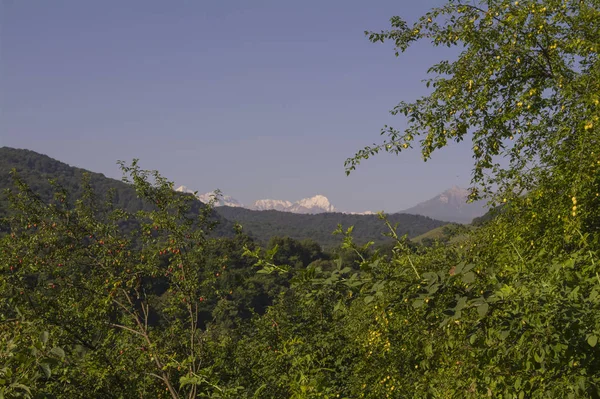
<point x="37" y="169"/>
<point x="264" y="224"/>
<point x="451" y="206"/>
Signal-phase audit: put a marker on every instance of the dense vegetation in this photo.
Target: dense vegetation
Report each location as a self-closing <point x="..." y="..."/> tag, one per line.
<point x="511" y="310"/>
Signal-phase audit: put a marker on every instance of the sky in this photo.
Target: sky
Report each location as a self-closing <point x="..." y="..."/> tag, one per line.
<point x="260" y="99"/>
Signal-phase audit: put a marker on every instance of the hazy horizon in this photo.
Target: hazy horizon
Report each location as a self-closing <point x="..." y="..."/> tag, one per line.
<point x="261" y="100"/>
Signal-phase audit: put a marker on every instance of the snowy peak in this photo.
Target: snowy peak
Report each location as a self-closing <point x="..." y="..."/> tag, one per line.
<point x="361" y="213"/>
<point x="223" y="200"/>
<point x="316" y="204"/>
<point x="267" y="204"/>
<point x="184" y="189"/>
<point x="455" y="196"/>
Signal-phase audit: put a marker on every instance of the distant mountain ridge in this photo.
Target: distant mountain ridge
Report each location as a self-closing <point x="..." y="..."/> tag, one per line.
<point x="451" y="206"/>
<point x="223" y="200"/>
<point x="271" y="204"/>
<point x="36" y="169"/>
<point x="310" y="205"/>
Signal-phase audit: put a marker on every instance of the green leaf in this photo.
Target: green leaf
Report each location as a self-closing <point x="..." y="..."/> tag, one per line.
<point x="46" y="369"/>
<point x="592" y="340"/>
<point x="58" y="352"/>
<point x="369" y="299"/>
<point x="44" y="337"/>
<point x="467" y="268"/>
<point x="418" y="303"/>
<point x="458" y="269"/>
<point x="483" y="309"/>
<point x="462" y="302"/>
<point x="468" y="278"/>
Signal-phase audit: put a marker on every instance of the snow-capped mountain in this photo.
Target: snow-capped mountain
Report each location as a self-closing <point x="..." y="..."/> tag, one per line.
<point x="224" y="200"/>
<point x="317" y="204"/>
<point x="361" y="213"/>
<point x="267" y="204"/>
<point x="451" y="206"/>
<point x="184" y="189"/>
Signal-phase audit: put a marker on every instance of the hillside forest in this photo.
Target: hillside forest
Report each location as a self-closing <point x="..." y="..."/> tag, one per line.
<point x="130" y="289"/>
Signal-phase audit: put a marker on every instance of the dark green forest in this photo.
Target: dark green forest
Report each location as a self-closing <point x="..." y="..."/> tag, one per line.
<point x="132" y="290"/>
<point x="265" y="224"/>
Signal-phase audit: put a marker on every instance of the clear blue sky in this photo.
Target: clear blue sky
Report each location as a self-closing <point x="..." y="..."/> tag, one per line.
<point x="261" y="99"/>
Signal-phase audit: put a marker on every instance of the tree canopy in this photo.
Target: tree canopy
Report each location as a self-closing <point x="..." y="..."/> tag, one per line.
<point x="524" y="88"/>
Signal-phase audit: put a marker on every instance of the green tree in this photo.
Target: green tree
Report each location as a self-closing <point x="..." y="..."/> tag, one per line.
<point x="512" y="310"/>
<point x="525" y="88"/>
<point x="295" y="252"/>
<point x="125" y="304"/>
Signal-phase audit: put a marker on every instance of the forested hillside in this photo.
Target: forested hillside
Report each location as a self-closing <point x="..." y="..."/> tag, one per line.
<point x="319" y="227"/>
<point x="44" y="175"/>
<point x="37" y="169"/>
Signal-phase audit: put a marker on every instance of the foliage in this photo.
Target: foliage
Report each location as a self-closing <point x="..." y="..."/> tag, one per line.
<point x="524" y="88"/>
<point x="26" y="357"/>
<point x="118" y="300"/>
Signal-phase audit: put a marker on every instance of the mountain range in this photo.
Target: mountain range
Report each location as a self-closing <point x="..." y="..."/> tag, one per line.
<point x="37" y="170"/>
<point x="311" y="205"/>
<point x="450" y="206"/>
